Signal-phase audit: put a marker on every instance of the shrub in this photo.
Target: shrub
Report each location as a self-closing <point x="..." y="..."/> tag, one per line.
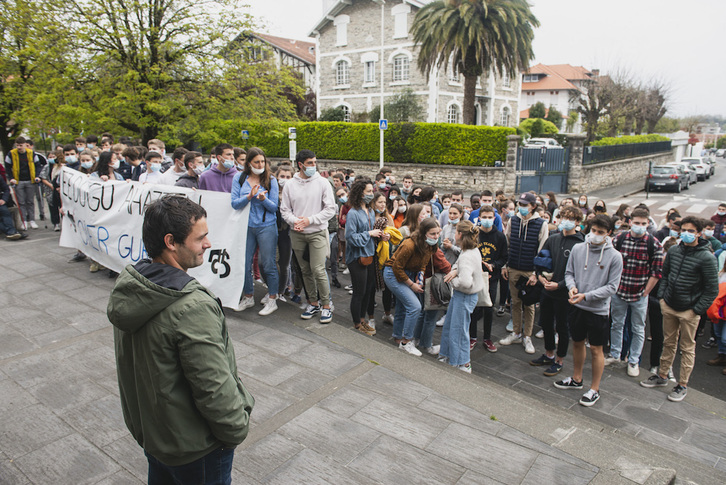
<point x="537" y="126"/>
<point x="626" y="140"/>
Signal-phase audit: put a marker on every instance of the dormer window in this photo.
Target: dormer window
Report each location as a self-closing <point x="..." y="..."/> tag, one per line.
<point x="531" y="78"/>
<point x="400" y="20"/>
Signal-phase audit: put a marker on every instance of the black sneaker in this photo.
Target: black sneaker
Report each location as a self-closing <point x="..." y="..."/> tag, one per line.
<point x="589" y="398"/>
<point x="78" y="257"/>
<point x="710" y="343"/>
<point x="553" y="370"/>
<point x="654" y="381"/>
<point x="568" y="383"/>
<point x="542" y="360"/>
<point x="336" y="283"/>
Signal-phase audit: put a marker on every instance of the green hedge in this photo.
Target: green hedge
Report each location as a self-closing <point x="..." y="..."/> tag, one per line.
<point x="429" y="143"/>
<point x="625" y="140"/>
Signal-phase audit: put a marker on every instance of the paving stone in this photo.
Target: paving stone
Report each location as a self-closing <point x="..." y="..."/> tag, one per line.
<point x="620" y="424"/>
<point x="268" y="400"/>
<point x="63" y="333"/>
<point x="347" y="400"/>
<point x="96" y="363"/>
<point x="448" y="408"/>
<point x="305" y="383"/>
<point x="239" y="329"/>
<point x="13" y="343"/>
<point x="551" y="470"/>
<point x="130" y="456"/>
<point x="483" y="453"/>
<point x="391" y="461"/>
<point x="109" y="381"/>
<point x="382" y="380"/>
<point x="266" y="455"/>
<point x="74" y="348"/>
<point x="71" y="460"/>
<point x="679" y="447"/>
<point x="340" y="439"/>
<point x="550" y="395"/>
<point x="472" y="478"/>
<point x="9" y="275"/>
<point x="9" y="473"/>
<point x="267" y="368"/>
<point x="707" y="438"/>
<point x="101" y="421"/>
<point x="89" y="321"/>
<point x="32" y="268"/>
<point x="631" y="390"/>
<point x="13" y="398"/>
<point x="326" y="359"/>
<point x="494" y="375"/>
<point x="37" y="369"/>
<point x="277" y="342"/>
<point x="651" y="419"/>
<point x="312" y="468"/>
<point x="29" y="429"/>
<point x="63" y="394"/>
<point x="30" y="327"/>
<point x="28" y="287"/>
<point x="121" y="478"/>
<point x="22" y="311"/>
<point x="406" y="423"/>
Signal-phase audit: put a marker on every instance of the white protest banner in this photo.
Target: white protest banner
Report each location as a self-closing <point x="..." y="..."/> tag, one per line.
<point x="104" y="220"/>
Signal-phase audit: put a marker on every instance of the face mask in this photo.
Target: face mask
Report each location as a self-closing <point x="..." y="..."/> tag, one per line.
<point x="708" y="232"/>
<point x="343" y="200"/>
<point x="93" y="145"/>
<point x="595" y="239"/>
<point x="721" y="213"/>
<point x="467" y="211"/>
<point x="524" y="211"/>
<point x="687" y="237"/>
<point x="87" y="165"/>
<point x="674" y="233"/>
<point x="393" y="197"/>
<point x="617" y="226"/>
<point x="198" y="170"/>
<point x="421" y="217"/>
<point x="388" y="179"/>
<point x="71" y="159"/>
<point x="402" y="208"/>
<point x="113" y="166"/>
<point x="638" y="230"/>
<point x="228" y="164"/>
<point x="258" y="171"/>
<point x="510" y="214"/>
<point x="239" y="167"/>
<point x="381" y="186"/>
<point x="446" y="206"/>
<point x="432" y="242"/>
<point x="51" y="161"/>
<point x="453" y="221"/>
<point x="366" y="198"/>
<point x="351" y="180"/>
<point x="433" y="201"/>
<point x="155" y="167"/>
<point x="582" y="203"/>
<point x="98" y="157"/>
<point x="486" y="223"/>
<point x="310" y="171"/>
<point x="379" y="211"/>
<point x="566" y="225"/>
<point x="546" y="201"/>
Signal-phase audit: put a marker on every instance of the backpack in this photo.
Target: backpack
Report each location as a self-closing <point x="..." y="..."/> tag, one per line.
<point x="618" y="244"/>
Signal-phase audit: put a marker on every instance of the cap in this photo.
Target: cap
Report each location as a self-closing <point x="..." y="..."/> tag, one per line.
<point x="527" y="198"/>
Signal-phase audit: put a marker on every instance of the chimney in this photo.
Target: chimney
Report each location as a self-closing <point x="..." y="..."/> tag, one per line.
<point x="595" y="72"/>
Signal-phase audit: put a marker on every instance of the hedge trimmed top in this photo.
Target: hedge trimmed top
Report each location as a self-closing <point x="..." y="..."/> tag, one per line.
<point x="428" y="143"/>
<point x="626" y="140"/>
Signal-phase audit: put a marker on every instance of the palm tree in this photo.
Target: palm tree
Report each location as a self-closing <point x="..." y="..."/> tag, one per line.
<point x="476" y="35"/>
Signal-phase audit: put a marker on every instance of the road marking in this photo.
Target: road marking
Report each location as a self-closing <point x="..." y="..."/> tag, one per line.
<point x="697" y="208"/>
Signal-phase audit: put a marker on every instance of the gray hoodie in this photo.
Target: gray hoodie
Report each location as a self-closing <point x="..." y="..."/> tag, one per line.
<point x="594" y="271"/>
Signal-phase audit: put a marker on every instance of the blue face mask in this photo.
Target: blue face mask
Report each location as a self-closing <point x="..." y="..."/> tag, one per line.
<point x="524" y="211"/>
<point x="343" y="200"/>
<point x="155" y="167"/>
<point x="432" y="242"/>
<point x="379" y="211"/>
<point x="392" y="197"/>
<point x="566" y="225"/>
<point x="454" y="221"/>
<point x="367" y="198"/>
<point x="228" y="164"/>
<point x="91" y="145"/>
<point x="674" y="233"/>
<point x="71" y="159"/>
<point x="51" y="161"/>
<point x="87" y="165"/>
<point x="310" y="171"/>
<point x="486" y="223"/>
<point x="510" y="214"/>
<point x="688" y="237"/>
<point x="381" y="186"/>
<point x="638" y="230"/>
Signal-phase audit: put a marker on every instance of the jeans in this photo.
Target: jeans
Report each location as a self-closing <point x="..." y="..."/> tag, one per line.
<point x="551" y="311"/>
<point x="408" y="305"/>
<point x="7" y="226"/>
<point x="618" y="311"/>
<point x="313" y="271"/>
<point x="363" y="279"/>
<point x="720" y="332"/>
<point x="425" y="325"/>
<point x="655" y="317"/>
<point x="25" y="191"/>
<point x="284" y="248"/>
<point x="264" y="238"/>
<point x="213" y="469"/>
<point x="455" y="335"/>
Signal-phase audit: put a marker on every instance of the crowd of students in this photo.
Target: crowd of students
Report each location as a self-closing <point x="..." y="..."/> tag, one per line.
<point x="595" y="277"/>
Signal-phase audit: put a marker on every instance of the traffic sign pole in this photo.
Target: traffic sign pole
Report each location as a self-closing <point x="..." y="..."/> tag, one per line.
<point x="382" y="126"/>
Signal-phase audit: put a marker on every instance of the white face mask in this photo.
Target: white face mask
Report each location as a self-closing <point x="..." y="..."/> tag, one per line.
<point x="595" y="239"/>
<point x="258" y="171"/>
<point x="199" y="170"/>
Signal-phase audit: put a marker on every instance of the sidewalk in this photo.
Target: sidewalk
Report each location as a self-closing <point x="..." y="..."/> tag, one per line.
<point x="333" y="405"/>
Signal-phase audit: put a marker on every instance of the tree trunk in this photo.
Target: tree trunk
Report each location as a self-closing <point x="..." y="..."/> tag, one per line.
<point x="469" y="98"/>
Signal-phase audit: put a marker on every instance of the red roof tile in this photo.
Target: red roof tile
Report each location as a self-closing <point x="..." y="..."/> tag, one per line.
<point x="555" y="77"/>
<point x="301" y="49"/>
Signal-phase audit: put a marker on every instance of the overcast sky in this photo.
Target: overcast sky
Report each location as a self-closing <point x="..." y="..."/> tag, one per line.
<point x="673" y="40"/>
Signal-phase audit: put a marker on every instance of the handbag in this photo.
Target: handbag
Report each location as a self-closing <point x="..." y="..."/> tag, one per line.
<point x="484" y="299"/>
<point x="437" y="292"/>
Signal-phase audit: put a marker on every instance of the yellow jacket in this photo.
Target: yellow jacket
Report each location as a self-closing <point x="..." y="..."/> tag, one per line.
<point x="383" y="249"/>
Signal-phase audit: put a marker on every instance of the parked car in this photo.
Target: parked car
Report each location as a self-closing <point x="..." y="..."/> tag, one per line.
<point x="692" y="176"/>
<point x="701" y="166"/>
<point x="667" y="177"/>
<point x="542" y="142"/>
<point x="720" y="152"/>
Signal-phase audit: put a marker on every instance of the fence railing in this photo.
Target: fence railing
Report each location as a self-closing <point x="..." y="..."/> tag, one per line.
<point x="599" y="154"/>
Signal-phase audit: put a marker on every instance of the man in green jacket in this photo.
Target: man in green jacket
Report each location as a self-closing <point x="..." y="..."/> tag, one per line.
<point x="181" y="396"/>
<point x="688" y="287"/>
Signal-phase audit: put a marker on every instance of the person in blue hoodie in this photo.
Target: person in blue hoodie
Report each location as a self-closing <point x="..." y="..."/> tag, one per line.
<point x="592" y="278"/>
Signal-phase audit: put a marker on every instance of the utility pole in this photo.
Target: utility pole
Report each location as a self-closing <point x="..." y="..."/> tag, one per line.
<point x="383" y="39"/>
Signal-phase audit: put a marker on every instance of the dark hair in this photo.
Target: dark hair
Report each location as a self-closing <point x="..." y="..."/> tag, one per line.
<point x="486" y="193"/>
<point x="408" y="176"/>
<point x="266" y="176"/>
<point x="696" y="221"/>
<point x="81" y="139"/>
<point x="130" y="153"/>
<point x="239" y="151"/>
<point x="412" y="213"/>
<point x="412" y="199"/>
<point x="171" y="214"/>
<point x="20" y="139"/>
<point x="426" y="194"/>
<point x="303" y="155"/>
<point x="551" y="195"/>
<point x="457" y="206"/>
<point x="355" y="199"/>
<point x="69" y="147"/>
<point x="639" y="213"/>
<point x="571" y="212"/>
<point x="102" y="165"/>
<point x="673" y="216"/>
<point x="284" y="167"/>
<point x="487" y="209"/>
<point x="602" y="221"/>
<point x="107" y="137"/>
<point x="385" y="213"/>
<point x="380" y="176"/>
<point x="469" y="235"/>
<point x="151" y="155"/>
<point x="587" y="201"/>
<point x="92" y="139"/>
<point x="179" y="153"/>
<point x="385" y="169"/>
<point x="419" y="235"/>
<point x="457" y="192"/>
<point x="189" y="158"/>
<point x="339" y="176"/>
<point x="621" y="211"/>
<point x="708" y="223"/>
<point x="219" y="149"/>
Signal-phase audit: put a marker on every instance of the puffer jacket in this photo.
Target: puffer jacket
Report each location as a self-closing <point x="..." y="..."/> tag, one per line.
<point x="690" y="278"/>
<point x="180" y="392"/>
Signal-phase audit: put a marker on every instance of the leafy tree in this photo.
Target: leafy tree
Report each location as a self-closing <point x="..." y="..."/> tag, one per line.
<point x="667" y="125"/>
<point x="476" y="36"/>
<point x="554" y="117"/>
<point x="572" y="121"/>
<point x="537" y="127"/>
<point x="404" y="107"/>
<point x="538" y="110"/>
<point x="332" y="114"/>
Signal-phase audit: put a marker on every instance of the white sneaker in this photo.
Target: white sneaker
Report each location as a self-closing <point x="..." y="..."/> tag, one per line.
<point x="539" y="334"/>
<point x="269" y="307"/>
<point x="440" y="323"/>
<point x="466" y="368"/>
<point x="653" y="370"/>
<point x="433" y="350"/>
<point x="245" y="303"/>
<point x="56" y="228"/>
<point x="346" y="271"/>
<point x="281" y="298"/>
<point x="510" y="339"/>
<point x="24" y="226"/>
<point x="372" y="323"/>
<point x="410" y="348"/>
<point x="265" y="299"/>
<point x="633" y="370"/>
<point x="671" y="376"/>
<point x="611" y="361"/>
<point x="510" y="326"/>
<point x="33" y="225"/>
<point x="388" y="319"/>
<point x="528" y="347"/>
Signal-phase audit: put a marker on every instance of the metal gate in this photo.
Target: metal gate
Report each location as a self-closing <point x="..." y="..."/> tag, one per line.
<point x="542" y="169"/>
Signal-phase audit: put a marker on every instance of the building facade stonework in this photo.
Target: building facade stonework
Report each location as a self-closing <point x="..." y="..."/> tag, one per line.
<point x="349" y="58"/>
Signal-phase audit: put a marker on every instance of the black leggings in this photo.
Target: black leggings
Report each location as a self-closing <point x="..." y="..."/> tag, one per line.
<point x="284" y="248"/>
<point x="55" y="207"/>
<point x="655" y="318"/>
<point x="363" y="279"/>
<point x="487" y="312"/>
<point x="551" y="312"/>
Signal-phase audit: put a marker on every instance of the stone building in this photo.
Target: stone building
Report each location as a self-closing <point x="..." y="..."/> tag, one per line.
<point x="350" y="52"/>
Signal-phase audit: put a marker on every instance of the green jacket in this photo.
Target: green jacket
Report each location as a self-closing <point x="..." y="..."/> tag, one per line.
<point x="180" y="392"/>
<point x="690" y="278"/>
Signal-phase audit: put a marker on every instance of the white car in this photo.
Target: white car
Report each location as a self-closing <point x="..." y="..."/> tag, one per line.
<point x="542" y="142"/>
<point x="702" y="167"/>
<point x="720" y="152"/>
<point x="692" y="176"/>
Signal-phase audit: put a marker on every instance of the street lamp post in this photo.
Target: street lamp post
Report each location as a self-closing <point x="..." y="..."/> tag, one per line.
<point x="381" y="117"/>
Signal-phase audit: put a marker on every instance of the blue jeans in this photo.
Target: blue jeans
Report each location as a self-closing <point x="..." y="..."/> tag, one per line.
<point x="213" y="469"/>
<point x="618" y="312"/>
<point x="455" y="334"/>
<point x="266" y="239"/>
<point x="408" y="306"/>
<point x="425" y="325"/>
<point x="7" y="225"/>
<point x="718" y="329"/>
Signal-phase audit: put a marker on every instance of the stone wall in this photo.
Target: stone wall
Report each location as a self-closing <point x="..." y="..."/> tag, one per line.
<point x="619" y="172"/>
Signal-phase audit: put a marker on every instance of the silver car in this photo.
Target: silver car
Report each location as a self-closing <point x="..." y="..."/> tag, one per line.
<point x="692" y="176"/>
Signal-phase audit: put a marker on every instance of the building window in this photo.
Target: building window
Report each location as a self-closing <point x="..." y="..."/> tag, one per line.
<point x="341" y="24"/>
<point x="342" y="73"/>
<point x="506" y="81"/>
<point x="530" y="78"/>
<point x="369" y="72"/>
<point x="454" y="75"/>
<point x="504" y="121"/>
<point x="452" y="114"/>
<point x="346" y="112"/>
<point x="400" y="68"/>
<point x="400" y="20"/>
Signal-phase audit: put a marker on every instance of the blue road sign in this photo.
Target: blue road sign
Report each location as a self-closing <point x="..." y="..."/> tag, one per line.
<point x="383" y="124"/>
<point x="245" y="135"/>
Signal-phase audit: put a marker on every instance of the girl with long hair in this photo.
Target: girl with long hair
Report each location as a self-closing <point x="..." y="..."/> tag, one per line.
<point x="414" y="215"/>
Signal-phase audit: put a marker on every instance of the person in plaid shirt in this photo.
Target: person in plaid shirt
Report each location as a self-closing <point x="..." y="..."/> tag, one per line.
<point x="642" y="265"/>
